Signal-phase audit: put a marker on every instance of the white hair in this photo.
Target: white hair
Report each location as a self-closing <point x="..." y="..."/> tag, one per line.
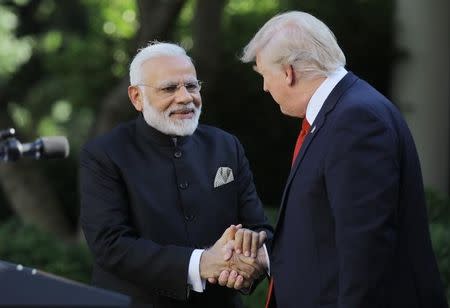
<point x="161" y="120"/>
<point x="298" y="39"/>
<point x="154" y="49"/>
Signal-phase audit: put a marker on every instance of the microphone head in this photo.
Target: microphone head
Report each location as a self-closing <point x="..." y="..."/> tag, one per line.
<point x="54" y="147"/>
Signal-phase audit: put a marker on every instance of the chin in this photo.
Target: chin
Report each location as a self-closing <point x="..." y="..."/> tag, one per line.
<point x="290" y="114"/>
<point x="283" y="111"/>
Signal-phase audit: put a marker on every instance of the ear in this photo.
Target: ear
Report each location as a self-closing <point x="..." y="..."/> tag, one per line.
<point x="289" y="74"/>
<point x="136" y="98"/>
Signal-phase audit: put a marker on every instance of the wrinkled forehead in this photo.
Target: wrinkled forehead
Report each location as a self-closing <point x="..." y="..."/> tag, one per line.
<point x="168" y="69"/>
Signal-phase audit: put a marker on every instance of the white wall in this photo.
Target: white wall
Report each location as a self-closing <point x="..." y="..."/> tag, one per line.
<point x="421" y="83"/>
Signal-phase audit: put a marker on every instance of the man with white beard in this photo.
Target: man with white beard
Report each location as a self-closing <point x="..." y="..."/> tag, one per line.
<point x="157" y="191"/>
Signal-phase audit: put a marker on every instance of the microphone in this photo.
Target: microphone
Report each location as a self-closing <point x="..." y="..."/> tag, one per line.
<point x="7" y="133"/>
<point x="46" y="148"/>
<point x="43" y="148"/>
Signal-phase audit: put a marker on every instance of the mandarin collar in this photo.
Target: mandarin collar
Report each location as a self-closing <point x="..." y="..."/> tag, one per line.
<point x="153" y="135"/>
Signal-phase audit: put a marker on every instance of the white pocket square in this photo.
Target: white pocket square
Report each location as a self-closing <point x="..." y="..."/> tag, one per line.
<point x="224" y="176"/>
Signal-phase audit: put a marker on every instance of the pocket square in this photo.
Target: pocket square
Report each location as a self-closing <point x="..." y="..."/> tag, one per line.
<point x="224" y="176"/>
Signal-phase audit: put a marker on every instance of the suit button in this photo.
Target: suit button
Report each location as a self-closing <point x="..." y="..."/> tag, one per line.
<point x="177" y="154"/>
<point x="184" y="185"/>
<point x="189" y="217"/>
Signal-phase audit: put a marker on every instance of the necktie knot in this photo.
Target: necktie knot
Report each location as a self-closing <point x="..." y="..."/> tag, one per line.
<point x="305" y="126"/>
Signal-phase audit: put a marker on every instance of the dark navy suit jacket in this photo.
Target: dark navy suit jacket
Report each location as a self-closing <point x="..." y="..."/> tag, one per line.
<point x="352" y="230"/>
<point x="147" y="201"/>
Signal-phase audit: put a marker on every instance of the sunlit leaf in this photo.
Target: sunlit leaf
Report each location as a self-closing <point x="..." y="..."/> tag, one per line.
<point x="116" y="18"/>
<point x="21" y="2"/>
<point x="247" y="6"/>
<point x="13" y="51"/>
<point x="129" y="16"/>
<point x="20" y="115"/>
<point x="48" y="127"/>
<point x="8" y="20"/>
<point x="51" y="41"/>
<point x="61" y="111"/>
<point x="109" y="27"/>
<point x="45" y="9"/>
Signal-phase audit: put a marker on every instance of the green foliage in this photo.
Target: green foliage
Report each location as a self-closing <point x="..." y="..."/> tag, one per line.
<point x="80" y="49"/>
<point x="258" y="298"/>
<point x="33" y="248"/>
<point x="59" y="59"/>
<point x="440" y="235"/>
<point x="439" y="217"/>
<point x="77" y="52"/>
<point x="13" y="51"/>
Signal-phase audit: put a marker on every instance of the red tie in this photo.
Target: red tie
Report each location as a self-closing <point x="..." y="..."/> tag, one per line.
<point x="301" y="136"/>
<point x="269" y="293"/>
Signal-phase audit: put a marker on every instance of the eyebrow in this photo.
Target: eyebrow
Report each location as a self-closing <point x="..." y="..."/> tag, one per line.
<point x="168" y="83"/>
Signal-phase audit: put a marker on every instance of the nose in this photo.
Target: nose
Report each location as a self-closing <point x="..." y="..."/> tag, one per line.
<point x="183" y="95"/>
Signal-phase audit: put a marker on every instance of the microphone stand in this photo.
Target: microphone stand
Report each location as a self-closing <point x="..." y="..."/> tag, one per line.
<point x="10" y="147"/>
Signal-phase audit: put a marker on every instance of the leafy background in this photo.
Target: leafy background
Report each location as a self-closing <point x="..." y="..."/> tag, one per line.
<point x="63" y="71"/>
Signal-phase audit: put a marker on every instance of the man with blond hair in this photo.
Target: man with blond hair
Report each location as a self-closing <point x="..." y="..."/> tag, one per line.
<point x="352" y="230"/>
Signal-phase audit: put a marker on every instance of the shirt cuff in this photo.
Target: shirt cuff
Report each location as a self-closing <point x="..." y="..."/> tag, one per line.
<point x="194" y="280"/>
<point x="267" y="259"/>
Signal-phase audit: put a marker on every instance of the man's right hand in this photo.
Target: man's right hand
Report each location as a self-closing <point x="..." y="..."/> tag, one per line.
<point x="232" y="279"/>
<point x="249" y="242"/>
<point x="213" y="260"/>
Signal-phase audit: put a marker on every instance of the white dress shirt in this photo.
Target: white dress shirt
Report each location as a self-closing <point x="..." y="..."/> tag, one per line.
<point x="323" y="91"/>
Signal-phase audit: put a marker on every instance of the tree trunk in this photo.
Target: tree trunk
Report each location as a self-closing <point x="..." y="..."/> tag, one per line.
<point x="207" y="50"/>
<point x="26" y="188"/>
<point x="24" y="185"/>
<point x="207" y="39"/>
<point x="32" y="199"/>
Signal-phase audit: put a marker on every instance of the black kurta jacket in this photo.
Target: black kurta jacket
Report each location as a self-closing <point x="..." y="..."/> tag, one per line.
<point x="148" y="200"/>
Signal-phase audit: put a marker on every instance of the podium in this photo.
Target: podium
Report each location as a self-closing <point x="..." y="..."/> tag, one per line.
<point x="23" y="286"/>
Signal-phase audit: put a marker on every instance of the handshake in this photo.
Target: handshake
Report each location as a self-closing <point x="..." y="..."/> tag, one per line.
<point x="236" y="259"/>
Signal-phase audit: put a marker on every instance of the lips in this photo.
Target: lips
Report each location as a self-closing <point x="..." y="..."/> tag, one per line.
<point x="185" y="113"/>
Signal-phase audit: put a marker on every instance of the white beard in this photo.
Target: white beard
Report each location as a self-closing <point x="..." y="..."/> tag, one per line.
<point x="161" y="120"/>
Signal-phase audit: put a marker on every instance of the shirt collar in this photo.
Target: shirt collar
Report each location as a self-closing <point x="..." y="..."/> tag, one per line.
<point x="323" y="91"/>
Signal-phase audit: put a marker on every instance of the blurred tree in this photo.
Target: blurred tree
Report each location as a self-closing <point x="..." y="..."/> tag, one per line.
<point x="207" y="49"/>
<point x="65" y="33"/>
<point x="25" y="187"/>
<point x="70" y="78"/>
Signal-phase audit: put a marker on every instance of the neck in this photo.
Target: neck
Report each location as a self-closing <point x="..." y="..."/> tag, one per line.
<point x="305" y="89"/>
<point x="312" y="85"/>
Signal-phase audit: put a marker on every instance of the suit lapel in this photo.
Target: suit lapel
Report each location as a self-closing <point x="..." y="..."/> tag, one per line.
<point x="318" y="123"/>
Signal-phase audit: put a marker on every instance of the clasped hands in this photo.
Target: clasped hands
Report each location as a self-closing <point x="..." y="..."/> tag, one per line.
<point x="236" y="259"/>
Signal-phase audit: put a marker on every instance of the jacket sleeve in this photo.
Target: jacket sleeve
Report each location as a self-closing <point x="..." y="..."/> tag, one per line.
<point x="114" y="242"/>
<point x="362" y="180"/>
